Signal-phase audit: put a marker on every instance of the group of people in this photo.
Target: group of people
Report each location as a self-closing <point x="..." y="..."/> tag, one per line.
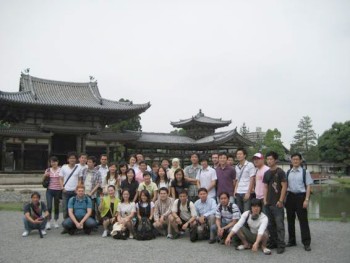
<point x="241" y="204"/>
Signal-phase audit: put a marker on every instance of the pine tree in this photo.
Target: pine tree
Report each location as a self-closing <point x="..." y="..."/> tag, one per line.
<point x="244" y="130"/>
<point x="305" y="139"/>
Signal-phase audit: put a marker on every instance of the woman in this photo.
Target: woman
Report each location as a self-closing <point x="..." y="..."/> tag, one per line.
<point x="131" y="184"/>
<point x="132" y="162"/>
<point x="123" y="167"/>
<point x="175" y="164"/>
<point x="145" y="208"/>
<point x="108" y="209"/>
<point x="178" y="184"/>
<point x="111" y="179"/>
<point x="126" y="212"/>
<point x="53" y="190"/>
<point x="162" y="179"/>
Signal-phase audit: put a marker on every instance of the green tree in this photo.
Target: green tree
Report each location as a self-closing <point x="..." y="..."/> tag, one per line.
<point x="272" y="142"/>
<point x="132" y="124"/>
<point x="334" y="144"/>
<point x="244" y="130"/>
<point x="4" y="124"/>
<point x="181" y="132"/>
<point x="305" y="140"/>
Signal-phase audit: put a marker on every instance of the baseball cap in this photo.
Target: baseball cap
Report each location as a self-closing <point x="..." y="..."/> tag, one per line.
<point x="258" y="156"/>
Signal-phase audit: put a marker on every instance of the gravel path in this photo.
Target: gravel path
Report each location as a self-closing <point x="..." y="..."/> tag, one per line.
<point x="331" y="243"/>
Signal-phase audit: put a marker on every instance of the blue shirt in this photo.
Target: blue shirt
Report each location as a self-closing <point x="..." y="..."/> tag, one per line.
<point x="80" y="206"/>
<point x="296" y="181"/>
<point x="207" y="208"/>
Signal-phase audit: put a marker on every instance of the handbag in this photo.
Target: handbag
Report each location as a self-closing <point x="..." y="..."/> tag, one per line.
<point x="46" y="180"/>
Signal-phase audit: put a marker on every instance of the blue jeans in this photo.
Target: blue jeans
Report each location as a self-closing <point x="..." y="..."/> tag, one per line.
<point x="29" y="226"/>
<point x="68" y="224"/>
<point x="242" y="205"/>
<point x="276" y="225"/>
<point x="65" y="198"/>
<point x="214" y="229"/>
<point x="53" y="195"/>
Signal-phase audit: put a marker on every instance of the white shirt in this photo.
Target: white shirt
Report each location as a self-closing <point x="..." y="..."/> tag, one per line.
<point x="126" y="209"/>
<point x="87" y="182"/>
<point x="206" y="177"/>
<point x="243" y="174"/>
<point x="184" y="213"/>
<point x="257" y="226"/>
<point x="103" y="171"/>
<point x="72" y="183"/>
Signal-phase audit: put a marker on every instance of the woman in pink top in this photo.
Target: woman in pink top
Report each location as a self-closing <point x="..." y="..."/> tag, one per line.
<point x="53" y="191"/>
<point x="258" y="160"/>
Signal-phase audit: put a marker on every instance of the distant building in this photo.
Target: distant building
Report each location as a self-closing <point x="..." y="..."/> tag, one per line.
<point x="256" y="136"/>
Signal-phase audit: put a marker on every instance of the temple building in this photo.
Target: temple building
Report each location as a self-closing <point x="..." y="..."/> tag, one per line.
<point x="49" y="117"/>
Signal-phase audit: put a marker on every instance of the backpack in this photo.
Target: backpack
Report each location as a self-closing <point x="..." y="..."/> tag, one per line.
<point x="229" y="208"/>
<point x="304" y="178"/>
<point x="144" y="230"/>
<point x="178" y="207"/>
<point x="120" y="232"/>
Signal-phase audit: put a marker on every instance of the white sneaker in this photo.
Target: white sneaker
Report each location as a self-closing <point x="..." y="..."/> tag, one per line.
<point x="43" y="232"/>
<point x="48" y="225"/>
<point x="105" y="233"/>
<point x="56" y="224"/>
<point x="131" y="236"/>
<point x="25" y="233"/>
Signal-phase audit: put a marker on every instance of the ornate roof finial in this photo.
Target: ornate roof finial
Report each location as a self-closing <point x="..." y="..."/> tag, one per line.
<point x="92" y="78"/>
<point x="26" y="71"/>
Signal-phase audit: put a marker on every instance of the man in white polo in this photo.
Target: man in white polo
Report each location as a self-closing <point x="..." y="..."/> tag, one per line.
<point x="206" y="177"/>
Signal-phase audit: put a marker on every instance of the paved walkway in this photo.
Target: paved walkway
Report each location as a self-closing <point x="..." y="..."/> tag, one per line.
<point x="331" y="243"/>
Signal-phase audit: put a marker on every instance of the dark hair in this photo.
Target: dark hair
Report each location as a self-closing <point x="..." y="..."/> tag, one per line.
<point x="146" y="193"/>
<point x="165" y="160"/>
<point x="202" y="189"/>
<point x="123" y="164"/>
<point x="53" y="159"/>
<point x="225" y="193"/>
<point x="223" y="154"/>
<point x="146" y="173"/>
<point x="154" y="164"/>
<point x="256" y="202"/>
<point x="296" y="154"/>
<point x="273" y="154"/>
<point x="142" y="162"/>
<point x="111" y="186"/>
<point x="166" y="179"/>
<point x="104" y="155"/>
<point x="230" y="156"/>
<point x="125" y="190"/>
<point x="184" y="192"/>
<point x="132" y="156"/>
<point x="83" y="154"/>
<point x="70" y="154"/>
<point x="214" y="154"/>
<point x="133" y="171"/>
<point x="196" y="154"/>
<point x="92" y="158"/>
<point x="35" y="194"/>
<point x="183" y="175"/>
<point x="241" y="149"/>
<point x="109" y="172"/>
<point x="205" y="159"/>
<point x="164" y="189"/>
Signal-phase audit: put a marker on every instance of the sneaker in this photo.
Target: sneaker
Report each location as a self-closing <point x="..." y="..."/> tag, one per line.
<point x="48" y="225"/>
<point x="280" y="250"/>
<point x="87" y="231"/>
<point x="56" y="224"/>
<point x="25" y="233"/>
<point x="43" y="232"/>
<point x="271" y="246"/>
<point x="267" y="251"/>
<point x="291" y="244"/>
<point x="169" y="236"/>
<point x="212" y="241"/>
<point x="307" y="248"/>
<point x="131" y="236"/>
<point x="64" y="231"/>
<point x="182" y="233"/>
<point x="242" y="247"/>
<point x="105" y="233"/>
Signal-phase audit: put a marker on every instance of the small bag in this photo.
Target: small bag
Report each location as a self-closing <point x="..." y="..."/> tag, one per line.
<point x="120" y="232"/>
<point x="46" y="179"/>
<point x="144" y="230"/>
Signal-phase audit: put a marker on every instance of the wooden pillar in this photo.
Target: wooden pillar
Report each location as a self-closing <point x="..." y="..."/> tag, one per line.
<point x="83" y="144"/>
<point x="49" y="148"/>
<point x="22" y="156"/>
<point x="3" y="154"/>
<point x="78" y="144"/>
<point x="108" y="151"/>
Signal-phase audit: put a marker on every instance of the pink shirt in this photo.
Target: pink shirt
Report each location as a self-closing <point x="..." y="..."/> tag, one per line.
<point x="259" y="185"/>
<point x="54" y="179"/>
<point x="139" y="176"/>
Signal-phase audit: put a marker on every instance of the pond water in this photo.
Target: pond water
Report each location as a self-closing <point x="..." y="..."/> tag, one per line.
<point x="329" y="201"/>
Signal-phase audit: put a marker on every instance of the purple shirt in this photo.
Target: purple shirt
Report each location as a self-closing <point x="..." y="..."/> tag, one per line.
<point x="225" y="180"/>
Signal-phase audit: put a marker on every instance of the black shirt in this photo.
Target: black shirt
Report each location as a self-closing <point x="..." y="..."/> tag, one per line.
<point x="179" y="188"/>
<point x="132" y="187"/>
<point x="274" y="178"/>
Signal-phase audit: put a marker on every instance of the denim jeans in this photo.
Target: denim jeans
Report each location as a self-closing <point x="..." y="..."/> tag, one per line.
<point x="214" y="231"/>
<point x="53" y="195"/>
<point x="29" y="226"/>
<point x="68" y="224"/>
<point x="65" y="198"/>
<point x="276" y="225"/>
<point x="242" y="205"/>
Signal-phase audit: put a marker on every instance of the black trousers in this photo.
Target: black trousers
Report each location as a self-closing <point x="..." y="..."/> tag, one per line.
<point x="294" y="206"/>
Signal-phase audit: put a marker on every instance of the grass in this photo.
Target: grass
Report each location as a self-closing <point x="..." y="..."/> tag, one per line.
<point x="11" y="206"/>
<point x="343" y="181"/>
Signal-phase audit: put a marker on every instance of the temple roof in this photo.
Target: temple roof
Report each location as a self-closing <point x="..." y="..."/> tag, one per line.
<point x="201" y="120"/>
<point x="59" y="94"/>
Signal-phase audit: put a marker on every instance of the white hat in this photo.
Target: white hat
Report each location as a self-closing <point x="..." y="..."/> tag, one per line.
<point x="258" y="155"/>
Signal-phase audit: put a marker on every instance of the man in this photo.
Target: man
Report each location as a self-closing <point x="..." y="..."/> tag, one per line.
<point x="141" y="170"/>
<point x="162" y="210"/>
<point x="103" y="168"/>
<point x="255" y="234"/>
<point x="227" y="215"/>
<point x="148" y="185"/>
<point x="245" y="180"/>
<point x="231" y="160"/>
<point x="154" y="173"/>
<point x="226" y="176"/>
<point x="206" y="178"/>
<point x="206" y="208"/>
<point x="183" y="214"/>
<point x="141" y="158"/>
<point x="69" y="178"/>
<point x="275" y="188"/>
<point x="215" y="160"/>
<point x="82" y="162"/>
<point x="92" y="180"/>
<point x="258" y="160"/>
<point x="35" y="215"/>
<point x="299" y="189"/>
<point x="191" y="172"/>
<point x="79" y="210"/>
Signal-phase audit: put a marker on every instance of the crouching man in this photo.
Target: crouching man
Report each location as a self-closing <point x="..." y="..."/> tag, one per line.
<point x="162" y="210"/>
<point x="79" y="211"/>
<point x="35" y="214"/>
<point x="251" y="229"/>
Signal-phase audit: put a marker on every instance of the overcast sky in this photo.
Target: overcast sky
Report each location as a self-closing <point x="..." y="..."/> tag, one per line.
<point x="265" y="63"/>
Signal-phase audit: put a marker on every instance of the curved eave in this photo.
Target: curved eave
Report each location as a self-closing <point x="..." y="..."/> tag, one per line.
<point x="194" y="122"/>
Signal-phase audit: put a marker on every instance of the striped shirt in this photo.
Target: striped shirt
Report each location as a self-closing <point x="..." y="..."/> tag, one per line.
<point x="226" y="215"/>
<point x="54" y="179"/>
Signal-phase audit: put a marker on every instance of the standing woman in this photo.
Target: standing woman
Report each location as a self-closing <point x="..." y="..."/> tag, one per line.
<point x="126" y="212"/>
<point x="162" y="179"/>
<point x="123" y="167"/>
<point x="131" y="184"/>
<point x="53" y="191"/>
<point x="109" y="209"/>
<point x="175" y="164"/>
<point x="178" y="184"/>
<point x="132" y="162"/>
<point x="111" y="179"/>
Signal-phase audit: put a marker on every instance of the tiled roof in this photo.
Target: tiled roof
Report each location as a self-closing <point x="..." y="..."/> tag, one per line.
<point x="42" y="92"/>
<point x="23" y="132"/>
<point x="201" y="120"/>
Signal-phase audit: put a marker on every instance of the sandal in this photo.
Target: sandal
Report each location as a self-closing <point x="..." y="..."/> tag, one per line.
<point x="267" y="251"/>
<point x="242" y="247"/>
